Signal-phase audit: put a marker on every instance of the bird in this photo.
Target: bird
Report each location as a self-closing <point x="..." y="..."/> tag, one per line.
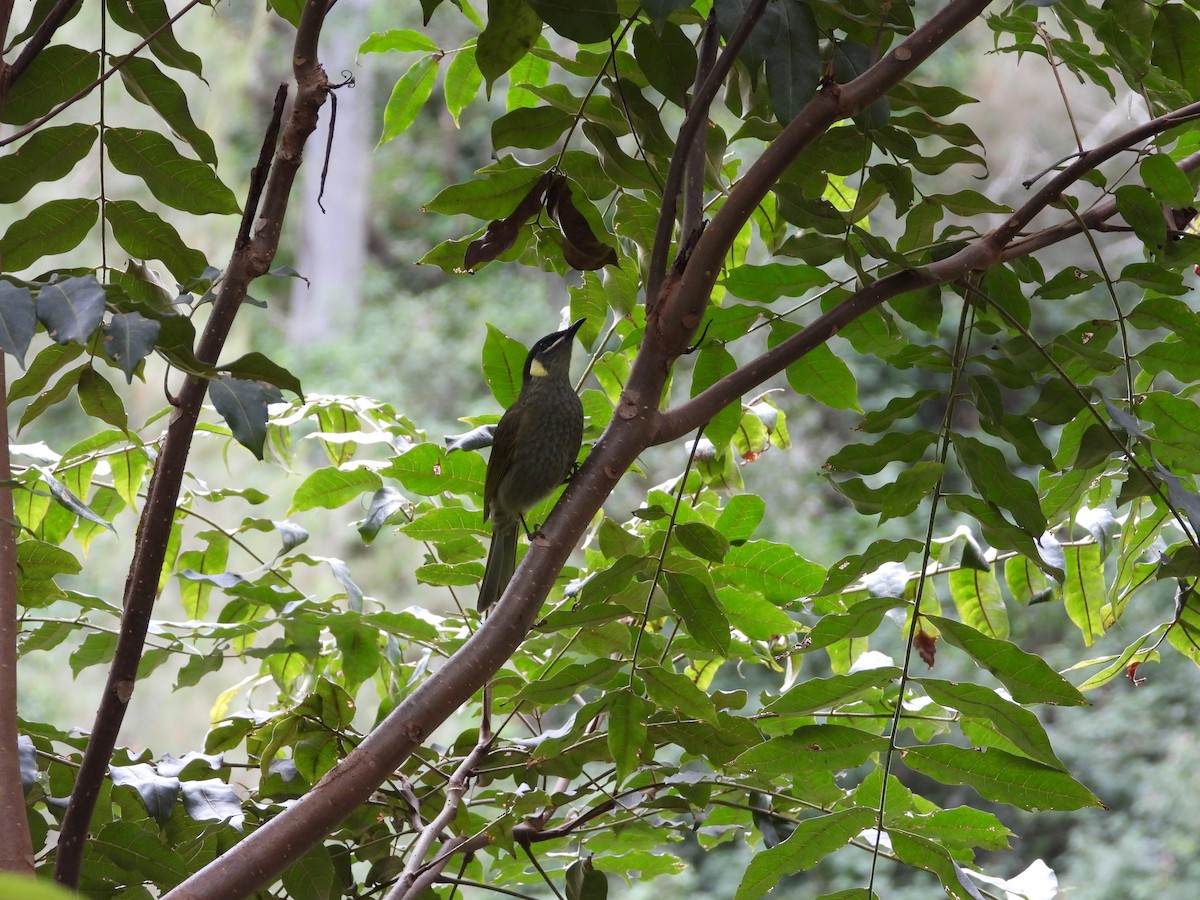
<point x="534" y="450"/>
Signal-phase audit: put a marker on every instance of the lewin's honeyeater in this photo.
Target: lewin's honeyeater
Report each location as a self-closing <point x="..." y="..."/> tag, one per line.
<point x="533" y="451"/>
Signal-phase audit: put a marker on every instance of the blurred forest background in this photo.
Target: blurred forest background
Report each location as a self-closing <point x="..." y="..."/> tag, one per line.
<point x="362" y="317"/>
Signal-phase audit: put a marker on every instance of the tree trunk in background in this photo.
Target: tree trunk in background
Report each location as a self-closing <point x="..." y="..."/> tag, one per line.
<point x="332" y="248"/>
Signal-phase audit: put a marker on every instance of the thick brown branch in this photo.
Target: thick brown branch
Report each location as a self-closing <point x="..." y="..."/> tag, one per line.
<point x="16" y="851"/>
<point x="977" y="257"/>
<point x="154" y="527"/>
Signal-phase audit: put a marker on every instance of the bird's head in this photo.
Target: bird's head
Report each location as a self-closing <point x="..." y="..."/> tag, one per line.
<point x="552" y="354"/>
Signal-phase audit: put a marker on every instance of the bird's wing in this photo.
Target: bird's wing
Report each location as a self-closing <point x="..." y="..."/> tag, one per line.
<point x="504" y="441"/>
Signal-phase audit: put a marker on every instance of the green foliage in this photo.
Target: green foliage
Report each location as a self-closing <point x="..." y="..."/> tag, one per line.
<point x="691" y="680"/>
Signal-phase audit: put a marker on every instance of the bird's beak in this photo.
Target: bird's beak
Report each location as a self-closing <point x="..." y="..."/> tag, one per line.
<point x="575" y="326"/>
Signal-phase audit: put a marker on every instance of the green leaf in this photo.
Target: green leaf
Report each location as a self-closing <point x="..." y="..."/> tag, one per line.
<point x="444" y="524"/>
<point x="667" y="59"/>
<point x="493" y="195"/>
<point x="868" y="459"/>
<point x="862" y="619"/>
<point x="793" y="61"/>
<point x="767" y="283"/>
<point x="819" y="374"/>
<point x="812" y="747"/>
<point x="713" y="363"/>
<point x="243" y="406"/>
<point x="255" y="366"/>
<point x="1143" y="214"/>
<point x="100" y="401"/>
<point x="428" y="470"/>
<point x="774" y="570"/>
<point x="1166" y="181"/>
<point x="1012" y="720"/>
<point x="679" y="693"/>
<point x="1026" y="676"/>
<point x="359" y="645"/>
<point x="702" y="540"/>
<point x="462" y="82"/>
<point x="53" y="227"/>
<point x="895" y="500"/>
<point x="330" y="488"/>
<point x="1001" y="777"/>
<point x="535" y="127"/>
<point x="45" y="364"/>
<point x="1176" y="47"/>
<point x="512" y="30"/>
<point x="925" y="854"/>
<point x="18" y="320"/>
<point x="585" y="882"/>
<point x="150" y="17"/>
<point x="503" y="365"/>
<point x="72" y="309"/>
<point x="693" y="601"/>
<point x="408" y="97"/>
<point x="141" y="850"/>
<point x="976" y="595"/>
<point x="1084" y="592"/>
<point x="824" y="694"/>
<point x="185" y="184"/>
<point x="128" y="339"/>
<point x="627" y="717"/>
<point x="145" y="235"/>
<point x="401" y="40"/>
<point x="313" y="877"/>
<point x="993" y="478"/>
<point x="56" y="74"/>
<point x="146" y="83"/>
<point x="48" y="155"/>
<point x="741" y="516"/>
<point x="811" y="841"/>
<point x="585" y="21"/>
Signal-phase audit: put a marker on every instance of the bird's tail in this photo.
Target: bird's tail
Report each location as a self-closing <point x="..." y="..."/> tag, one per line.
<point x="501" y="562"/>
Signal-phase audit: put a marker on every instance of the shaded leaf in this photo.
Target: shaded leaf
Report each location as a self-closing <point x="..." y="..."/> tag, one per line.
<point x="48" y="155"/>
<point x="54" y="227"/>
<point x="243" y="406"/>
<point x="1001" y="777"/>
<point x="18" y="320"/>
<point x="150" y="17"/>
<point x="72" y="309"/>
<point x="56" y="74"/>
<point x="811" y="841"/>
<point x="146" y="82"/>
<point x="184" y="184"/>
<point x="145" y="235"/>
<point x="1028" y="678"/>
<point x="128" y="339"/>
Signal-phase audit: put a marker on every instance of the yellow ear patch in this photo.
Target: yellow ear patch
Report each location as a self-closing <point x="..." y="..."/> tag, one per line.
<point x="537" y="370"/>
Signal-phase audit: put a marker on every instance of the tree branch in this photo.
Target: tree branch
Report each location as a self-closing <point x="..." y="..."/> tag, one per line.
<point x="693" y="179"/>
<point x="39" y="39"/>
<point x="16" y="851"/>
<point x="455" y="788"/>
<point x="158" y="512"/>
<point x="977" y="257"/>
<point x="689" y="132"/>
<point x="1094" y="217"/>
<point x="690" y="295"/>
